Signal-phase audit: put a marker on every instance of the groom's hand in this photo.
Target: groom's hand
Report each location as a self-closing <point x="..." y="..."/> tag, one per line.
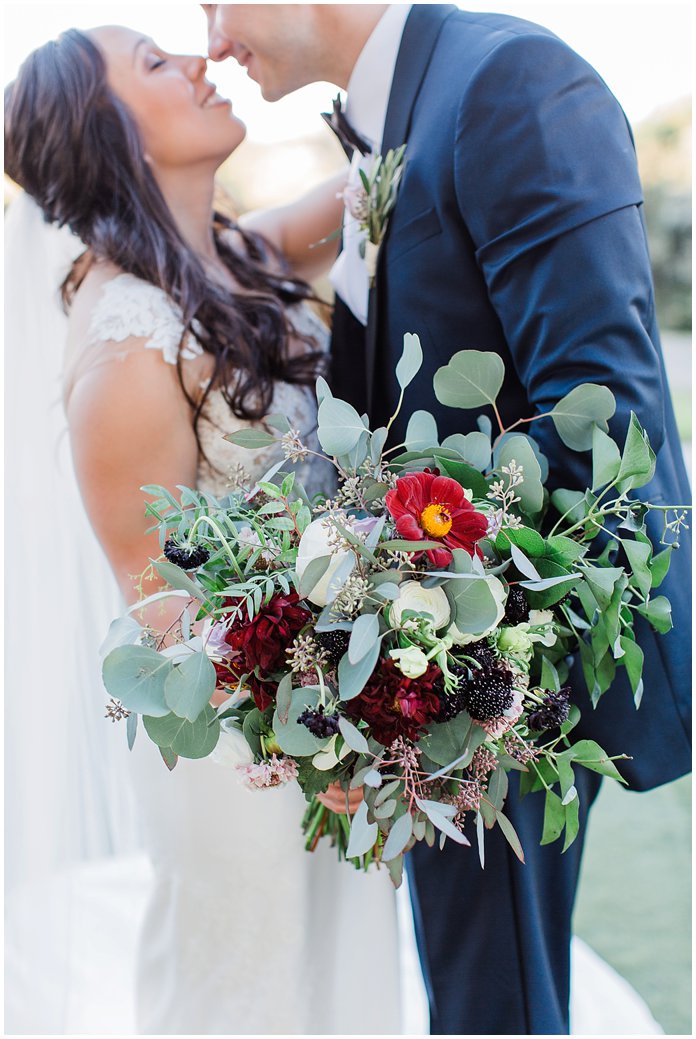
<point x="335" y="799"/>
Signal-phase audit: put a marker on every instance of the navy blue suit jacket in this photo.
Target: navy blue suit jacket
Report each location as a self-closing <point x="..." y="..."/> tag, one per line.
<point x="518" y="229"/>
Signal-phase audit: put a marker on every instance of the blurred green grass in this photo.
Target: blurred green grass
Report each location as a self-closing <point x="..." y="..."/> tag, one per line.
<point x="682" y="411"/>
<point x="634" y="900"/>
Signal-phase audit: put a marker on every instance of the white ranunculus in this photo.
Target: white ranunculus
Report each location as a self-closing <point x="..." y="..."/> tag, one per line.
<point x="314" y="543"/>
<point x="411" y="662"/>
<point x="231" y="748"/>
<point x="463" y="638"/>
<point x="413" y="596"/>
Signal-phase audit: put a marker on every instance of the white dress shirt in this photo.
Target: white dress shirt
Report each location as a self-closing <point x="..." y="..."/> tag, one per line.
<point x="366" y="110"/>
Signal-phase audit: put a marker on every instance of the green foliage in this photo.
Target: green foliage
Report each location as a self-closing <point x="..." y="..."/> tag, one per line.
<point x="471" y="379"/>
<point x="340" y="426"/>
<point x="136" y="676"/>
<point x="576" y="415"/>
<point x="184" y="738"/>
<point x="189" y="686"/>
<point x="410" y="361"/>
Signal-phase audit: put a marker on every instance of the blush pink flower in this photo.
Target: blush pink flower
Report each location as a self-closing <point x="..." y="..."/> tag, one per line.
<point x="273" y="772"/>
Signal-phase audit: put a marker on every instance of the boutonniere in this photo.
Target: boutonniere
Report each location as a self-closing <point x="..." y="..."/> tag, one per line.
<point x="371" y="201"/>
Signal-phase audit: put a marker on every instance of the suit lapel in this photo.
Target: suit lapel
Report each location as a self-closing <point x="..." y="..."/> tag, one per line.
<point x="421" y="31"/>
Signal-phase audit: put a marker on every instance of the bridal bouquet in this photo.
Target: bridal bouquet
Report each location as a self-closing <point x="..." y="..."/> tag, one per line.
<point x="412" y="634"/>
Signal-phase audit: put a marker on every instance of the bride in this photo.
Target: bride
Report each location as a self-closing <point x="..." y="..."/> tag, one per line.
<point x="184" y="325"/>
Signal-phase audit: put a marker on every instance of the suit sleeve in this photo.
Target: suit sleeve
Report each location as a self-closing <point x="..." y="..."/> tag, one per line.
<point x="547" y="184"/>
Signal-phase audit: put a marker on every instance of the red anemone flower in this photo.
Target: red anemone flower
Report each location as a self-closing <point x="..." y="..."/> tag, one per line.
<point x="434" y="508"/>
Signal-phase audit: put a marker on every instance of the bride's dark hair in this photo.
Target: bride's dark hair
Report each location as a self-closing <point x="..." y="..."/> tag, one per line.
<point x="75" y="148"/>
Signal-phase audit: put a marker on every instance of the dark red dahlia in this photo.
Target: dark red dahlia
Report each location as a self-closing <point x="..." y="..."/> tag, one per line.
<point x="259" y="645"/>
<point x="394" y="705"/>
<point x="262" y="641"/>
<point x="434" y="508"/>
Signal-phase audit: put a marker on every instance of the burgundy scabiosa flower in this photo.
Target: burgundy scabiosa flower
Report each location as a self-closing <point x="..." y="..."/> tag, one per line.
<point x="553" y="712"/>
<point x="429" y="507"/>
<point x="394" y="705"/>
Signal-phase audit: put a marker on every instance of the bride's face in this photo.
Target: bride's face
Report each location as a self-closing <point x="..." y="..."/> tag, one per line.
<point x="181" y="118"/>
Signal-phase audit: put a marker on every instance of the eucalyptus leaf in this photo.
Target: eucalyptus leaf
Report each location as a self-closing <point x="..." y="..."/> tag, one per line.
<point x="131" y="728"/>
<point x="474" y="606"/>
<point x="250" y="438"/>
<point x="471" y="379"/>
<point x="510" y="834"/>
<point x="606" y="458"/>
<point x="186" y="739"/>
<point x="279" y="422"/>
<point x="421" y="431"/>
<point x="523" y="564"/>
<point x="363" y="834"/>
<point x="576" y="414"/>
<point x="124" y="631"/>
<point x="312" y="574"/>
<point x="399" y="836"/>
<point x="554" y="818"/>
<point x="475" y="448"/>
<point x="294" y="738"/>
<point x="284" y="698"/>
<point x="658" y="612"/>
<point x="353" y="737"/>
<point x="637" y="459"/>
<point x="352" y="677"/>
<point x="660" y="566"/>
<point x="340" y="426"/>
<point x="179" y="579"/>
<point x="379" y="439"/>
<point x="385" y="810"/>
<point x="189" y="686"/>
<point x="135" y="675"/>
<point x="639" y="555"/>
<point x="518" y="448"/>
<point x="340" y="576"/>
<point x="322" y="389"/>
<point x="633" y="662"/>
<point x="410" y="361"/>
<point x="363" y="636"/>
<point x="436" y="815"/>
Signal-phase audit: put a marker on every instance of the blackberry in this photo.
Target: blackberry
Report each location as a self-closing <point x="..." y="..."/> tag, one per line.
<point x="335" y="643"/>
<point x="489" y="694"/>
<point x="553" y="712"/>
<point x="187" y="559"/>
<point x="517" y="607"/>
<point x="318" y="723"/>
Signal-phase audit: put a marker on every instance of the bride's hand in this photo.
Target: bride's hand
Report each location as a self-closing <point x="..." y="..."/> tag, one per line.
<point x="335" y="799"/>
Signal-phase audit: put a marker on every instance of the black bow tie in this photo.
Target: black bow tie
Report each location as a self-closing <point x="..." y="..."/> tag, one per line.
<point x="350" y="140"/>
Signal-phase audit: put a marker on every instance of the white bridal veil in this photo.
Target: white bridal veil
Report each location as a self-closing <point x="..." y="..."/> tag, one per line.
<point x="66" y="804"/>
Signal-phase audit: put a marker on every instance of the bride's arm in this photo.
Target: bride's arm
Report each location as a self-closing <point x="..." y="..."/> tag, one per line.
<point x="297" y="228"/>
<point x="130" y="425"/>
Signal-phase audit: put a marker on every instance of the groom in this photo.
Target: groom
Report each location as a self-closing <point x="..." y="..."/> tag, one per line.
<point x="518" y="229"/>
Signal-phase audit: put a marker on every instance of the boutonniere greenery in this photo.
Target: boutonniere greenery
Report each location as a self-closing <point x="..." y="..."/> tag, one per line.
<point x="371" y="201"/>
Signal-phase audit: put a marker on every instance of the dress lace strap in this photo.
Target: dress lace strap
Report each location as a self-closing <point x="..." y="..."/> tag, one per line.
<point x="129" y="306"/>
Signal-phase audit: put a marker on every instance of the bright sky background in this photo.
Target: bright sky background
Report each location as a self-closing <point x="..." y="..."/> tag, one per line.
<point x="642" y="50"/>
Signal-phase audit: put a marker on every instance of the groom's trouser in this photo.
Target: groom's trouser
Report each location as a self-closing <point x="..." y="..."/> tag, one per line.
<point x="495" y="943"/>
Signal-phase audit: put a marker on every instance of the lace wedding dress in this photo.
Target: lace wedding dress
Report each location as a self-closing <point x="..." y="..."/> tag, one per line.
<point x="245" y="931"/>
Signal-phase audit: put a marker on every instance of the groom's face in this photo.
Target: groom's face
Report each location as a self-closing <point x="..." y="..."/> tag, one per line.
<point x="275" y="43"/>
